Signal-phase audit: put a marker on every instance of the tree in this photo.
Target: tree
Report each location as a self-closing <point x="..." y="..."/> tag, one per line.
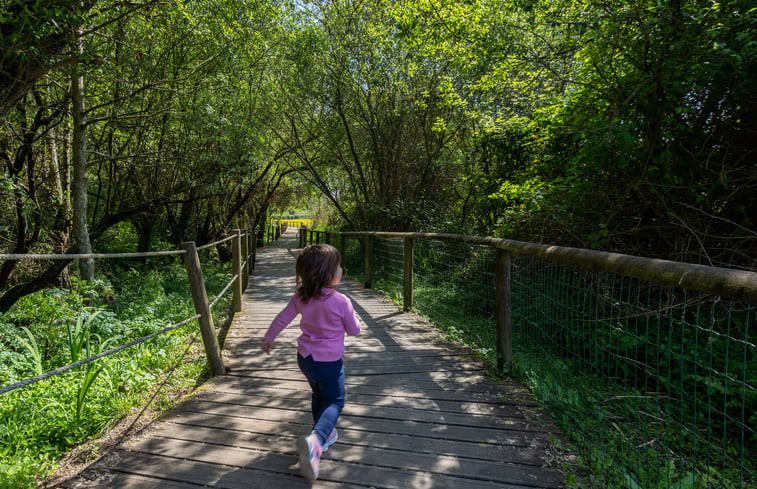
<point x="79" y="184"/>
<point x="371" y="116"/>
<point x="168" y="130"/>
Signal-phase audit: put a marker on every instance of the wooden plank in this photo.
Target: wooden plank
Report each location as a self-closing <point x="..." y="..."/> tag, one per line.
<point x="267" y="396"/>
<point x="406" y="386"/>
<point x="386" y="363"/>
<point x="247" y="420"/>
<point x="222" y="476"/>
<point x="126" y="481"/>
<point x="389" y="368"/>
<point x="369" y="470"/>
<point x="278" y="435"/>
<point x="511" y="420"/>
<point x="358" y="353"/>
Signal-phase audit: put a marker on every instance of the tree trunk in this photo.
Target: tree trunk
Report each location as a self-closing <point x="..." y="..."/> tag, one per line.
<point x="79" y="152"/>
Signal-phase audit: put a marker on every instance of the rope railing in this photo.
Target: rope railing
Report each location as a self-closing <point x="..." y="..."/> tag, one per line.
<point x="93" y="358"/>
<point x="220" y="294"/>
<point x="243" y="243"/>
<point x="215" y="243"/>
<point x="86" y="256"/>
<point x="647" y="365"/>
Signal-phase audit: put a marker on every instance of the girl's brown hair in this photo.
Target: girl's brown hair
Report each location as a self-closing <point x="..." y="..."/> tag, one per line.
<point x="316" y="268"/>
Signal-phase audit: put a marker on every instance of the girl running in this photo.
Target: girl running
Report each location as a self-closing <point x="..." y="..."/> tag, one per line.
<point x="327" y="316"/>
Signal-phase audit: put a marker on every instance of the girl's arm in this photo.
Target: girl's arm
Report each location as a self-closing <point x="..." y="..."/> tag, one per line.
<point x="278" y="324"/>
<point x="350" y="320"/>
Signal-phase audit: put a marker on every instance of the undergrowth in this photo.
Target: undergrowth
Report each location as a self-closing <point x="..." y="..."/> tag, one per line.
<point x="54" y="327"/>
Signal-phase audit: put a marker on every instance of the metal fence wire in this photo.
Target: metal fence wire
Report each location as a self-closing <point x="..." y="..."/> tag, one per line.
<point x="656" y="385"/>
<point x="353" y="259"/>
<point x="388" y="266"/>
<point x="660" y="381"/>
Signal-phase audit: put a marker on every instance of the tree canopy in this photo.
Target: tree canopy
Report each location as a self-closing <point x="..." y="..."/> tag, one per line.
<point x="624" y="126"/>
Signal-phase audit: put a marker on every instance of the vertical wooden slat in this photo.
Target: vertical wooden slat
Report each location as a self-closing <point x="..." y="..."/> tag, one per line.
<point x="202" y="307"/>
<point x="503" y="313"/>
<point x="245" y="259"/>
<point x="368" y="270"/>
<point x="407" y="288"/>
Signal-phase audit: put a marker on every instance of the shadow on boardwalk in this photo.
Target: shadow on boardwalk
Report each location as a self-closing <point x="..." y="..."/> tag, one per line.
<point x="420" y="411"/>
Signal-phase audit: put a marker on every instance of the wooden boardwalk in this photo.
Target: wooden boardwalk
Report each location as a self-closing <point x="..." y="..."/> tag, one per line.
<point x="420" y="412"/>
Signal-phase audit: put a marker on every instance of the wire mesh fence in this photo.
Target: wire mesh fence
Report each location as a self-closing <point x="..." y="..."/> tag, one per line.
<point x="388" y="266"/>
<point x="353" y="259"/>
<point x="656" y="380"/>
<point x="656" y="385"/>
<point x="454" y="287"/>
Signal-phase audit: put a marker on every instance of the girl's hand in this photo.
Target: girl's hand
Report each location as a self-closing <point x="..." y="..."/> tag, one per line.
<point x="267" y="346"/>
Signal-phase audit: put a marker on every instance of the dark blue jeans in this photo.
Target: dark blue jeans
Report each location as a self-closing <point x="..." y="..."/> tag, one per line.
<point x="326" y="380"/>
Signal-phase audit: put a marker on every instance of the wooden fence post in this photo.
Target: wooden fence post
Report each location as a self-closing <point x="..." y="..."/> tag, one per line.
<point x="236" y="257"/>
<point x="311" y="236"/>
<point x="245" y="258"/>
<point x="503" y="312"/>
<point x="250" y="251"/>
<point x="407" y="289"/>
<point x="342" y="247"/>
<point x="254" y="247"/>
<point x="202" y="307"/>
<point x="368" y="261"/>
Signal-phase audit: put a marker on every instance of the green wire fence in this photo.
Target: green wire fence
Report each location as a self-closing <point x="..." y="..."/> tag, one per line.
<point x="655" y="381"/>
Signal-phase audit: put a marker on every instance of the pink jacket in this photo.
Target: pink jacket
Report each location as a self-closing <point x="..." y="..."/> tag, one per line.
<point x="325" y="320"/>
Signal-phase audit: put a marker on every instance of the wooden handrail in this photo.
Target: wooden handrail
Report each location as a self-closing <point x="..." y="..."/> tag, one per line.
<point x="739" y="285"/>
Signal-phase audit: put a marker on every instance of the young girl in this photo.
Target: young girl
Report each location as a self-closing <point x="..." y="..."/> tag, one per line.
<point x="326" y="316"/>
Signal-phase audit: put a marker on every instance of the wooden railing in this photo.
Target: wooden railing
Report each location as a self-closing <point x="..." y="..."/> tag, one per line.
<point x="739" y="285"/>
<point x="647" y="364"/>
<point x="243" y="245"/>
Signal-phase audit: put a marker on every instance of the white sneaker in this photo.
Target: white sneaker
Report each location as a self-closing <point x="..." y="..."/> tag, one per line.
<point x="309" y="449"/>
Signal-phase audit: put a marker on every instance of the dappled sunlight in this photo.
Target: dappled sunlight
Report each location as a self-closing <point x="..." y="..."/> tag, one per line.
<point x="417" y="414"/>
<point x="445" y="464"/>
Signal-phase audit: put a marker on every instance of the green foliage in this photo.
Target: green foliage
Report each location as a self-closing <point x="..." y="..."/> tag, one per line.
<point x="79" y="337"/>
<point x="20" y="475"/>
<point x="30" y="342"/>
<point x="40" y="422"/>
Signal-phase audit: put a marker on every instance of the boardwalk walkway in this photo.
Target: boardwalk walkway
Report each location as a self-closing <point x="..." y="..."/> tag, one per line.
<point x="420" y="412"/>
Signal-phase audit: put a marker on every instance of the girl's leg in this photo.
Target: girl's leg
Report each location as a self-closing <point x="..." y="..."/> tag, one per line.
<point x="307" y="367"/>
<point x="332" y="388"/>
<point x="327" y="380"/>
<point x="316" y="401"/>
